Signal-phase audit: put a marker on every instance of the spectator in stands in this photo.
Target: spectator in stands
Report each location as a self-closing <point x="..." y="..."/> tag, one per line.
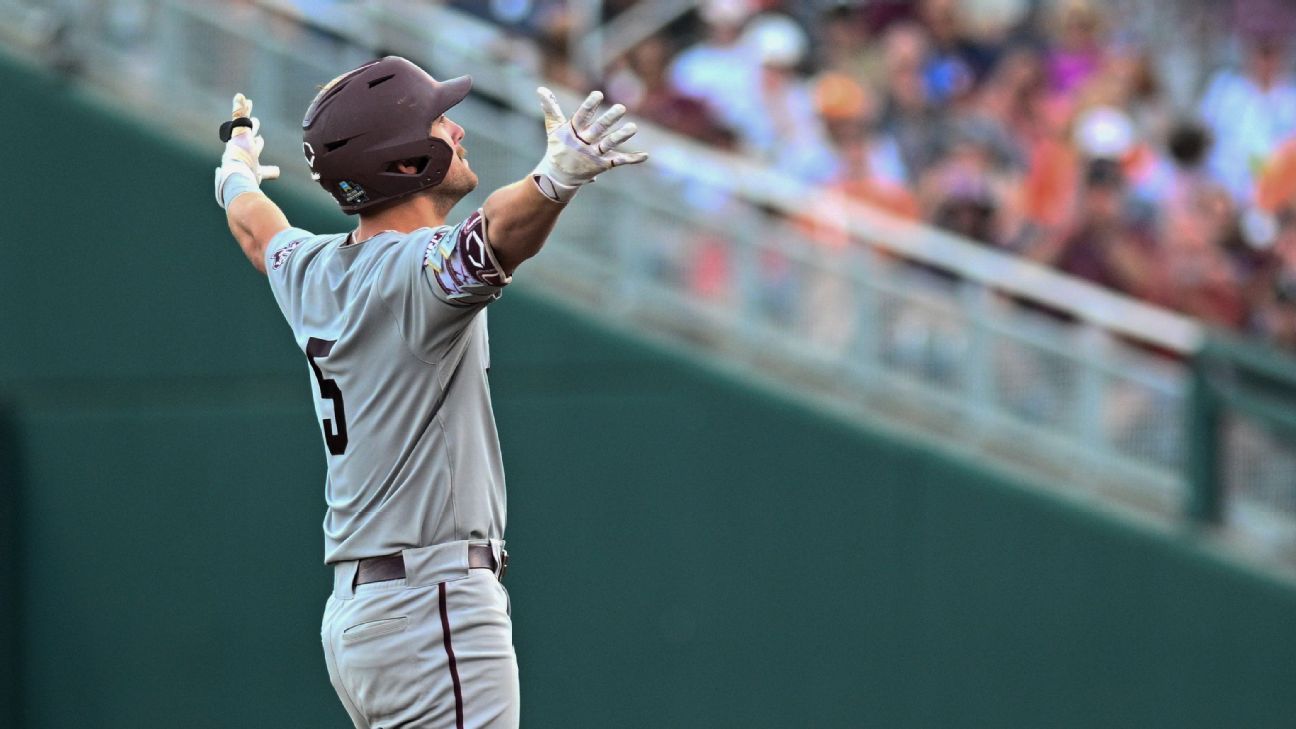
<point x="1190" y="181"/>
<point x="1105" y="246"/>
<point x="916" y="123"/>
<point x="1108" y="132"/>
<point x="847" y="45"/>
<point x="1274" y="317"/>
<point x="1249" y="114"/>
<point x="1129" y="72"/>
<point x="559" y="63"/>
<point x="546" y="24"/>
<point x="1271" y="288"/>
<point x="1051" y="188"/>
<point x="785" y="129"/>
<point x="721" y="71"/>
<point x="1077" y="51"/>
<point x="871" y="169"/>
<point x="966" y="191"/>
<point x="1203" y="280"/>
<point x="955" y="64"/>
<point x="643" y="85"/>
<point x="1276" y="185"/>
<point x="1008" y="94"/>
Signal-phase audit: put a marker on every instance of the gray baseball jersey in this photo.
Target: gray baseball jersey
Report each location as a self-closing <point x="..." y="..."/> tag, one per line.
<point x="394" y="331"/>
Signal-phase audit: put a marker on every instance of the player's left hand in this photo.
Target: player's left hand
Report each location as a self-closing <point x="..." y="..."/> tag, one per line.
<point x="243" y="150"/>
<point x="580" y="148"/>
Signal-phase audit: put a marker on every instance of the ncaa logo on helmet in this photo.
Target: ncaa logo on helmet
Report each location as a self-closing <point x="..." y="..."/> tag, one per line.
<point x="352" y="192"/>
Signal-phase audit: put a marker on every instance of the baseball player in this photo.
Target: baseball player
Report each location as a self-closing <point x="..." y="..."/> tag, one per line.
<point x="392" y="320"/>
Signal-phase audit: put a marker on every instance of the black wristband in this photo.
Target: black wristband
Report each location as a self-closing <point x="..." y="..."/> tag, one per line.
<point x="227" y="129"/>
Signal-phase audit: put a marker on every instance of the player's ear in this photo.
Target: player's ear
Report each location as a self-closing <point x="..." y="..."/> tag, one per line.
<point x="413" y="166"/>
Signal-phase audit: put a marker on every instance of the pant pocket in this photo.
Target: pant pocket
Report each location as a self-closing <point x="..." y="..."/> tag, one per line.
<point x="374" y="628"/>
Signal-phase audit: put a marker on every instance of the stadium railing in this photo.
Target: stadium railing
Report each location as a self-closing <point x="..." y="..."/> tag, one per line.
<point x="1242" y="435"/>
<point x="870" y="315"/>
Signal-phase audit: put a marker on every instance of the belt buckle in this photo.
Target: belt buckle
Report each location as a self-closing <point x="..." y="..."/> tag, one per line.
<point x="503" y="565"/>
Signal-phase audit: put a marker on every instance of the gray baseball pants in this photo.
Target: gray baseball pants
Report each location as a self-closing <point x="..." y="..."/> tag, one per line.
<point x="431" y="651"/>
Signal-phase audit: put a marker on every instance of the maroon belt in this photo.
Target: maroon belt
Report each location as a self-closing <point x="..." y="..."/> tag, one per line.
<point x="392" y="566"/>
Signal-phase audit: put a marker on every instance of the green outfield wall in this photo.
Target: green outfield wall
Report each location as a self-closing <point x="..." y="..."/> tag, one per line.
<point x="688" y="550"/>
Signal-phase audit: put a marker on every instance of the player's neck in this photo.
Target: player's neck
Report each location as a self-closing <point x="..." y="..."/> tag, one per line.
<point x="419" y="211"/>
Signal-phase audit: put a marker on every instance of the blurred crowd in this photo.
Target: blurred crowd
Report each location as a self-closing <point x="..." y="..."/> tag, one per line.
<point x="1147" y="147"/>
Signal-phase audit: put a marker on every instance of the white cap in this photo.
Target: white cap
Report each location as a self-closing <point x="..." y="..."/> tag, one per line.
<point x="777" y="40"/>
<point x="1104" y="132"/>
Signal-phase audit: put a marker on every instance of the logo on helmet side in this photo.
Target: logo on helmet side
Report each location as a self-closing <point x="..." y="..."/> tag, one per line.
<point x="352" y="193"/>
<point x="309" y="151"/>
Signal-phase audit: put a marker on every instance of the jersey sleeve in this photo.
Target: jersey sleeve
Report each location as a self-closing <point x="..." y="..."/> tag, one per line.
<point x="286" y="273"/>
<point x="442" y="278"/>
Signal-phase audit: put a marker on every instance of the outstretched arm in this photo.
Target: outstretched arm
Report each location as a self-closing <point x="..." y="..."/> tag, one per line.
<point x="519" y="220"/>
<point x="253" y="218"/>
<point x="520" y="216"/>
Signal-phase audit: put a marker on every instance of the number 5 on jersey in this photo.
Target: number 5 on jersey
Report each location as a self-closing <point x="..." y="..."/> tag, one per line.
<point x="335" y="438"/>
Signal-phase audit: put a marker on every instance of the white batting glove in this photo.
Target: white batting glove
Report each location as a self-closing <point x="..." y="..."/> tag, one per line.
<point x="242" y="152"/>
<point x="580" y="148"/>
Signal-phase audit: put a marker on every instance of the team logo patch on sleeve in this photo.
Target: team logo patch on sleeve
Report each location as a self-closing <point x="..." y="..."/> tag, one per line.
<point x="282" y="255"/>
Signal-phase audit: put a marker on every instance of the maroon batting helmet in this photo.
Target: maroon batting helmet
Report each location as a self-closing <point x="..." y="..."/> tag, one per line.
<point x="367" y="121"/>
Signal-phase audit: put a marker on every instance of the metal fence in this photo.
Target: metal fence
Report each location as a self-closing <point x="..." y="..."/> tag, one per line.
<point x="875" y="316"/>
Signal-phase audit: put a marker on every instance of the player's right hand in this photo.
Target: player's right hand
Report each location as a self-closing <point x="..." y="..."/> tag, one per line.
<point x="580" y="148"/>
<point x="243" y="150"/>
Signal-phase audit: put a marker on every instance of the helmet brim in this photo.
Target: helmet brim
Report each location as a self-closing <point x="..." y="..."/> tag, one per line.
<point x="455" y="90"/>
